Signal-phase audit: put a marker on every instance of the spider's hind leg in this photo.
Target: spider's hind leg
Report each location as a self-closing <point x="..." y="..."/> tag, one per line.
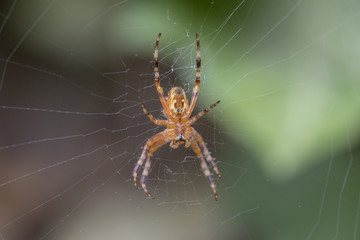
<point x="151" y="146"/>
<point x="204" y="167"/>
<point x="145" y="174"/>
<point x="140" y="162"/>
<point x="206" y="152"/>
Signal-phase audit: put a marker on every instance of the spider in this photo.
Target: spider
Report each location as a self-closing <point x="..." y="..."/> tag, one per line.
<point x="179" y="131"/>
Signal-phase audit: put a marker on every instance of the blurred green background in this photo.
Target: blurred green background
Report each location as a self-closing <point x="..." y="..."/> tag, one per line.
<point x="285" y="136"/>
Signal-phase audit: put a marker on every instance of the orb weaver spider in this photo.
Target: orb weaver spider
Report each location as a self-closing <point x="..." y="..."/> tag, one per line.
<point x="179" y="131"/>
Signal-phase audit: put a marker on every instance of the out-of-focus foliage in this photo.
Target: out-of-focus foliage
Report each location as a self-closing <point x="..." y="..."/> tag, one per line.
<point x="287" y="74"/>
<point x="286" y="71"/>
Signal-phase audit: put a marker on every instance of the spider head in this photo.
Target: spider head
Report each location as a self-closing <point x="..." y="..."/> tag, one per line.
<point x="177" y="101"/>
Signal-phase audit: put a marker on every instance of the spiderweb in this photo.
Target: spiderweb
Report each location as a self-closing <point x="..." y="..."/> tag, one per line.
<point x="285" y="135"/>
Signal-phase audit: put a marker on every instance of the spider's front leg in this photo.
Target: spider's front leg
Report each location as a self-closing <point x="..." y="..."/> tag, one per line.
<point x="159" y="89"/>
<point x="197" y="79"/>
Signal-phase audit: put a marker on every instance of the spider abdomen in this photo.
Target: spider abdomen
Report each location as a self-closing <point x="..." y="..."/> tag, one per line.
<point x="179" y="133"/>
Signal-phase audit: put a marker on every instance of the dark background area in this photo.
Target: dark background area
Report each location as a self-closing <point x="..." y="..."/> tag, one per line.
<point x="285" y="136"/>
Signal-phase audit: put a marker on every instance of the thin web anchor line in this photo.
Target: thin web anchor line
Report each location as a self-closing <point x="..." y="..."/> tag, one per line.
<point x="341" y="194"/>
<point x="310" y="44"/>
<point x="265" y="35"/>
<point x="52" y="166"/>
<point x="78" y="206"/>
<point x="63" y="111"/>
<point x="22" y="40"/>
<point x="53" y="139"/>
<point x="323" y="195"/>
<point x="240" y="213"/>
<point x="52" y="198"/>
<point x="7" y="17"/>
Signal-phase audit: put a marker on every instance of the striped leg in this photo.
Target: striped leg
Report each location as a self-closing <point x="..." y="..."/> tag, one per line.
<point x="140" y="161"/>
<point x="206" y="152"/>
<point x="157" y="122"/>
<point x="159" y="89"/>
<point x="158" y="138"/>
<point x="197" y="79"/>
<point x="203" y="112"/>
<point x="145" y="173"/>
<point x="204" y="167"/>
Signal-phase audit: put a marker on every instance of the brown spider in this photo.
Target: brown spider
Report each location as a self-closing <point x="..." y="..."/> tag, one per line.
<point x="179" y="131"/>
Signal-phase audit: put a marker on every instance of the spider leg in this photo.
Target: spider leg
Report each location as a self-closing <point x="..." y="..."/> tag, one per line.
<point x="159" y="89"/>
<point x="151" y="146"/>
<point x="203" y="112"/>
<point x="145" y="173"/>
<point x="156" y="121"/>
<point x="204" y="167"/>
<point x="158" y="138"/>
<point x="197" y="79"/>
<point x="206" y="152"/>
<point x="140" y="163"/>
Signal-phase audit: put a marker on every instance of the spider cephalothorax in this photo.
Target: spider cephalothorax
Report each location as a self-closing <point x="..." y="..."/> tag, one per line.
<point x="179" y="131"/>
<point x="177" y="102"/>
